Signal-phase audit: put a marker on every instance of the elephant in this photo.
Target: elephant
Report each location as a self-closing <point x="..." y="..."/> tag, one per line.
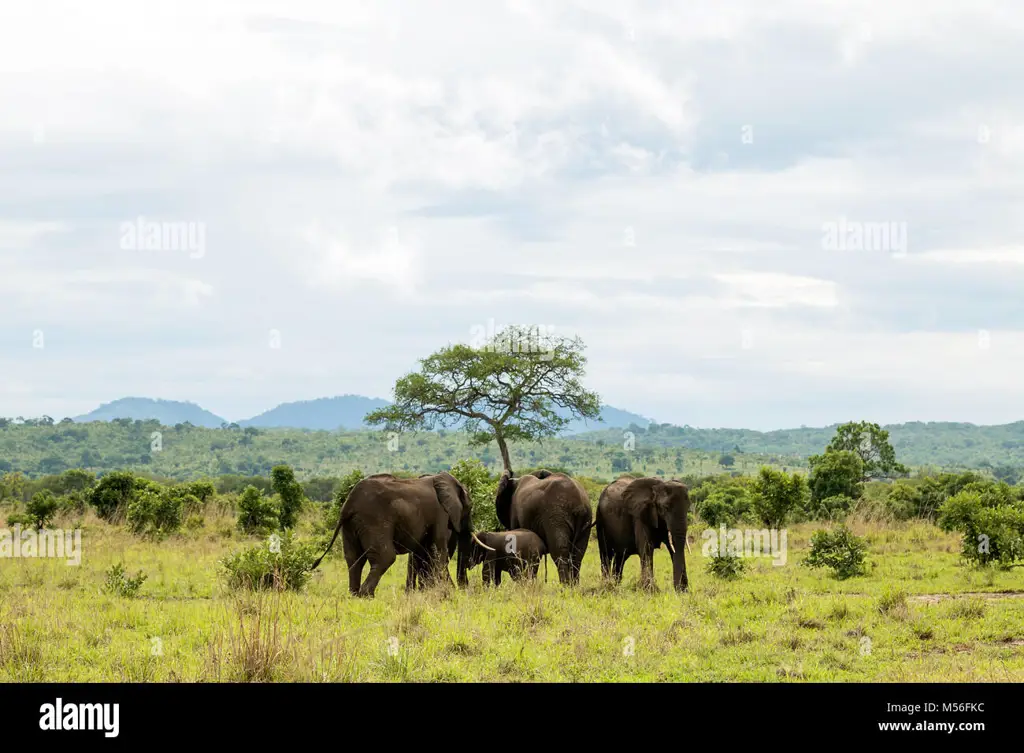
<point x="636" y="516"/>
<point x="517" y="553"/>
<point x="556" y="508"/>
<point x="385" y="516"/>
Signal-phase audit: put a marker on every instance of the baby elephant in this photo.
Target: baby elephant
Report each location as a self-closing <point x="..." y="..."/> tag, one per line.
<point x="517" y="552"/>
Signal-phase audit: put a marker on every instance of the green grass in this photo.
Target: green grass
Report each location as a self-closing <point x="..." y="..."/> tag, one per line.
<point x="917" y="615"/>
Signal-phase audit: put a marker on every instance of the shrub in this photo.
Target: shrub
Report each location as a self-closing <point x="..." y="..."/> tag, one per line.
<point x="726" y="566"/>
<point x="992" y="524"/>
<point x="836" y="473"/>
<point x="778" y="494"/>
<point x="73" y="502"/>
<point x="482" y="488"/>
<point x="154" y="512"/>
<point x="724" y="506"/>
<point x="22" y="519"/>
<point x="113" y="493"/>
<point x="831" y="508"/>
<point x="289" y="493"/>
<point x="839" y="550"/>
<point x="194" y="522"/>
<point x="279" y="563"/>
<point x="120" y="584"/>
<point x="904" y="501"/>
<point x="256" y="513"/>
<point x="41" y="508"/>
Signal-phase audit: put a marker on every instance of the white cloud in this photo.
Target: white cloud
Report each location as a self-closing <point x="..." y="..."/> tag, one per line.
<point x="580" y="164"/>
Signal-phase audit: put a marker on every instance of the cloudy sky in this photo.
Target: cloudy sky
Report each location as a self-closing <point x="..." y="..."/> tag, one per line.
<point x="756" y="214"/>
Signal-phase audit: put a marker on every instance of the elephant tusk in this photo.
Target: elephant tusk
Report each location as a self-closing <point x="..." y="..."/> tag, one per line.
<point x="478" y="541"/>
<point x="688" y="546"/>
<point x="671" y="547"/>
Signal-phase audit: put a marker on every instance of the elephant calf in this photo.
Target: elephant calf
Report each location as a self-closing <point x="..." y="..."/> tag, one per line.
<point x="517" y="553"/>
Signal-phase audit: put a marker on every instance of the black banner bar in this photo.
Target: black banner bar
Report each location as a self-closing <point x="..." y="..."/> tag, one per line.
<point x="124" y="715"/>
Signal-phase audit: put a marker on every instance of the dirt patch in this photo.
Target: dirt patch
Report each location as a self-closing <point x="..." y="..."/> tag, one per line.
<point x="987" y="595"/>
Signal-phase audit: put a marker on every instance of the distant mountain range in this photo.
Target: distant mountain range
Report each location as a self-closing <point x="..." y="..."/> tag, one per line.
<point x="167" y="412"/>
<point x="326" y="413"/>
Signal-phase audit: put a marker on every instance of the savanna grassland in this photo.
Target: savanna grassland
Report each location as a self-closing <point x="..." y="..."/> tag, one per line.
<point x="918" y="614"/>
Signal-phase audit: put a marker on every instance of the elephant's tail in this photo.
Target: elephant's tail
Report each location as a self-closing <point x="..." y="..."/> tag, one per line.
<point x="333" y="538"/>
<point x="337" y="528"/>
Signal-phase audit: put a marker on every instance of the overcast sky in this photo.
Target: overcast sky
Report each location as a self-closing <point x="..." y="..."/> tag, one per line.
<point x="682" y="184"/>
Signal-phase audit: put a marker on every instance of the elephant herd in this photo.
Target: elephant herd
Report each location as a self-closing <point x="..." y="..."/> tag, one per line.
<point x="543" y="513"/>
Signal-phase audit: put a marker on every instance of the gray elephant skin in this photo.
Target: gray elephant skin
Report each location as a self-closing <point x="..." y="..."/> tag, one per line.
<point x="636" y="516"/>
<point x="517" y="553"/>
<point x="385" y="516"/>
<point x="556" y="508"/>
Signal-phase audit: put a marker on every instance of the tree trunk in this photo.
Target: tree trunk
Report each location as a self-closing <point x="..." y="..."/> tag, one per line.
<point x="505" y="460"/>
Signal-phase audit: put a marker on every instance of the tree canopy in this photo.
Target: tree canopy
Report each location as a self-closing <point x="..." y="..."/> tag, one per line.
<point x="519" y="385"/>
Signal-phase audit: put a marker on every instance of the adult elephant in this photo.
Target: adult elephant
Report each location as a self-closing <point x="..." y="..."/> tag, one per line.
<point x="556" y="508"/>
<point x="636" y="516"/>
<point x="385" y="516"/>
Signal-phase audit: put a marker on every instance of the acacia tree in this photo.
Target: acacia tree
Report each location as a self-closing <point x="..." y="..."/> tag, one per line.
<point x="519" y="385"/>
<point x="871" y="443"/>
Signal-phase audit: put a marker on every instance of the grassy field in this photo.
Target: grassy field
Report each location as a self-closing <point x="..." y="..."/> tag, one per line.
<point x="918" y="615"/>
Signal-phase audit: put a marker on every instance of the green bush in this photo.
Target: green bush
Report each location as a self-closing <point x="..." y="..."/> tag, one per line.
<point x="904" y="501"/>
<point x="256" y="513"/>
<point x="726" y="566"/>
<point x="74" y="502"/>
<point x="155" y="512"/>
<point x="837" y="473"/>
<point x="777" y="495"/>
<point x="289" y="493"/>
<point x="724" y="506"/>
<point x="839" y="550"/>
<point x="991" y="521"/>
<point x="113" y="493"/>
<point x="482" y="487"/>
<point x="22" y="519"/>
<point x="41" y="508"/>
<point x="120" y="584"/>
<point x="279" y="563"/>
<point x="831" y="508"/>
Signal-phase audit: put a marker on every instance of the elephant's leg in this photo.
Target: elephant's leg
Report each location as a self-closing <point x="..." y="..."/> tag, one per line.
<point x="646" y="552"/>
<point x="560" y="546"/>
<point x="487" y="573"/>
<point x="497" y="574"/>
<point x="605" y="552"/>
<point x="355" y="571"/>
<point x="579" y="548"/>
<point x="355" y="559"/>
<point x="533" y="570"/>
<point x="410" y="573"/>
<point x="618" y="565"/>
<point x="380" y="560"/>
<point x="439" y="559"/>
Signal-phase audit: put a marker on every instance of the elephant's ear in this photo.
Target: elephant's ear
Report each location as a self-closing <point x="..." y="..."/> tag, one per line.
<point x="453" y="498"/>
<point x="640" y="497"/>
<point x="503" y="499"/>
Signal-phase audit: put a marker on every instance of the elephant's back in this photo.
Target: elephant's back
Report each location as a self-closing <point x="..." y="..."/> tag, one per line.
<point x="611" y="497"/>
